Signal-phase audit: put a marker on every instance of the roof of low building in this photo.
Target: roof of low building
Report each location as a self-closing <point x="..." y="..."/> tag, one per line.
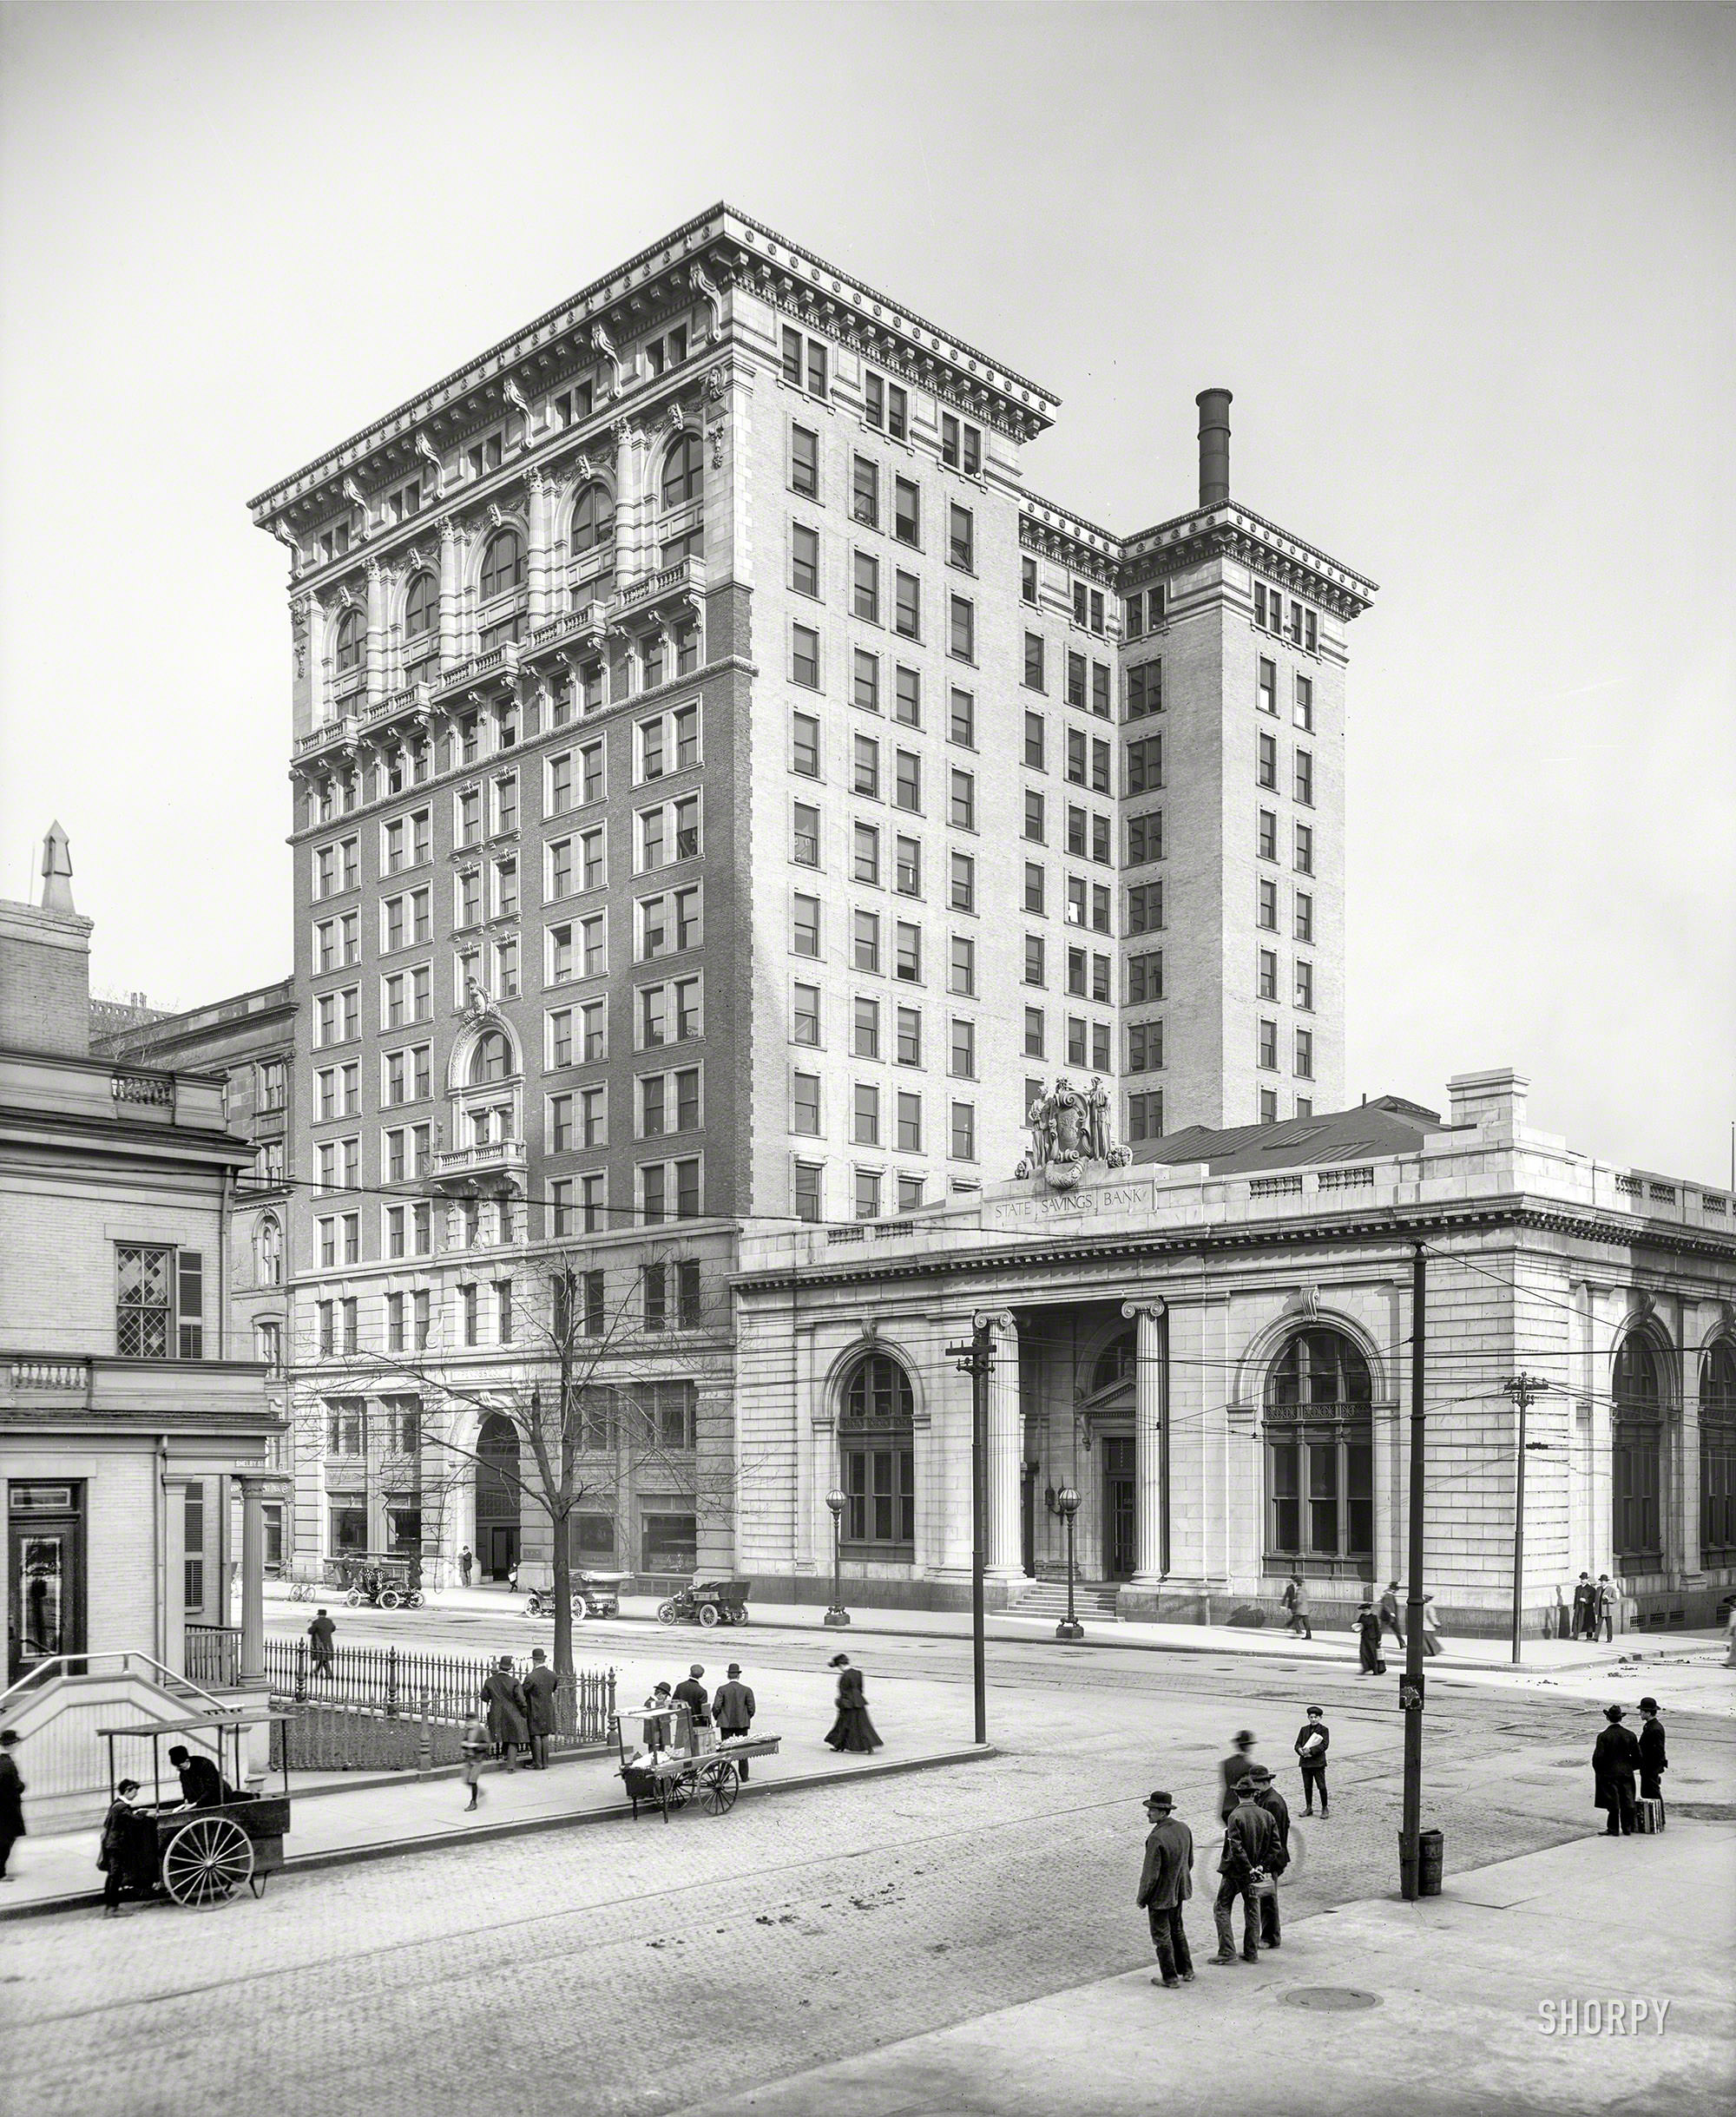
<point x="1371" y="1131"/>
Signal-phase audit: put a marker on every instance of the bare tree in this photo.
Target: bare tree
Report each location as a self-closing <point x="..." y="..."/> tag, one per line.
<point x="573" y="1396"/>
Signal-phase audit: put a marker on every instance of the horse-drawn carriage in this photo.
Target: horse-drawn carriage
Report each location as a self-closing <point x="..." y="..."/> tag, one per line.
<point x="200" y="1854"/>
<point x="707" y="1602"/>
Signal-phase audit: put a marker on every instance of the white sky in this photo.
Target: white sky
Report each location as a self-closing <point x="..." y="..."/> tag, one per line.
<point x="1469" y="272"/>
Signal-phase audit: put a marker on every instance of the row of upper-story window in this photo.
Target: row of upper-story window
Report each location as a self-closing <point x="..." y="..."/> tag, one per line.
<point x="885" y="404"/>
<point x="807" y="569"/>
<point x="809" y="1118"/>
<point x="1147" y="611"/>
<point x="807" y="652"/>
<point x="869" y="1197"/>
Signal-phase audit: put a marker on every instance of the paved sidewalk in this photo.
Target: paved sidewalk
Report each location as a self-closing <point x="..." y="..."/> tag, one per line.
<point x="1459" y="1986"/>
<point x="377" y="1818"/>
<point x="1486" y="1656"/>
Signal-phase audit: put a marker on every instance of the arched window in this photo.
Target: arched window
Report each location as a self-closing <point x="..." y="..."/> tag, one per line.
<point x="1718" y="1454"/>
<point x="683" y="470"/>
<point x="421" y="606"/>
<point x="352" y="634"/>
<point x="268" y="1252"/>
<point x="497" y="1496"/>
<point x="502" y="564"/>
<point x="1116" y="1363"/>
<point x="493" y="1059"/>
<point x="593" y="520"/>
<point x="1320" y="1453"/>
<point x="1636" y="1455"/>
<point x="877" y="1457"/>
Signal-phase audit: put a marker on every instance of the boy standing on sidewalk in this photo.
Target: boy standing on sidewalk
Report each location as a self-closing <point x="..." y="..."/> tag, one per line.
<point x="476" y="1747"/>
<point x="1311" y="1740"/>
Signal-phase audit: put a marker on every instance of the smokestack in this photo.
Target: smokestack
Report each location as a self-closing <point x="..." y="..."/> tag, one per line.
<point x="1214" y="447"/>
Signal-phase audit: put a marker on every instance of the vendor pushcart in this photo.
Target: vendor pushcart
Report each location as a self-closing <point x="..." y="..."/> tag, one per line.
<point x="666" y="1760"/>
<point x="200" y="1854"/>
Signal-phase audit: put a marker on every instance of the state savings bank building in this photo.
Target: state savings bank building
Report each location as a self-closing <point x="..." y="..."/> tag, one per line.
<point x="1207" y="1338"/>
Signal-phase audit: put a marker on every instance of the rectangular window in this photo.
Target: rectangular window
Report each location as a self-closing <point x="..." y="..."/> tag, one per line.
<point x="866" y="1030"/>
<point x="1034" y="972"/>
<point x="805" y="462"/>
<point x="1144" y="690"/>
<point x="962" y="969"/>
<point x="1145" y="765"/>
<point x="962" y="808"/>
<point x="804" y="559"/>
<point x="865" y="1127"/>
<point x="907" y="781"/>
<point x="1145" y="908"/>
<point x="807" y="1190"/>
<point x="865" y="681"/>
<point x="1266" y="979"/>
<point x="865" y="940"/>
<point x="865" y="587"/>
<point x="962" y="629"/>
<point x="1033" y="661"/>
<point x="964" y="1132"/>
<point x="864" y="492"/>
<point x="867" y="1194"/>
<point x="907" y="607"/>
<point x="907" y="953"/>
<point x="1145" y="838"/>
<point x="1267" y="1060"/>
<point x="910" y="1123"/>
<point x="805" y="751"/>
<point x="1034" y="1020"/>
<point x="1265" y="761"/>
<point x="865" y="855"/>
<point x="1305" y="849"/>
<point x="1266" y="697"/>
<point x="1266" y="907"/>
<point x="804" y="657"/>
<point x="805" y="926"/>
<point x="906" y="511"/>
<point x="907" y="870"/>
<point x="961" y="538"/>
<point x="962" y="894"/>
<point x="804" y="1105"/>
<point x="907" y="707"/>
<point x="804" y="834"/>
<point x="865" y="766"/>
<point x="1027" y="580"/>
<point x="1305" y="1055"/>
<point x="1145" y="977"/>
<point x="1034" y="886"/>
<point x="907" y="1048"/>
<point x="963" y="1065"/>
<point x="1304" y="916"/>
<point x="1302" y="711"/>
<point x="1304" y="987"/>
<point x="1075" y="679"/>
<point x="805" y="1015"/>
<point x="1145" y="1115"/>
<point x="1034" y="818"/>
<point x="1305" y="778"/>
<point x="1266" y="835"/>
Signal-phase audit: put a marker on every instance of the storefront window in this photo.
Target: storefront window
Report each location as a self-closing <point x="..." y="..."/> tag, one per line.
<point x="668" y="1542"/>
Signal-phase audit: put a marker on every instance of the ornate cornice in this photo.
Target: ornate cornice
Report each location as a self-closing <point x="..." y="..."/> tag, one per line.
<point x="1233" y="531"/>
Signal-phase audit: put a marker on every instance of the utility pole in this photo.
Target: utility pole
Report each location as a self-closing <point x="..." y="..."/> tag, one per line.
<point x="1410" y="1693"/>
<point x="975" y="1359"/>
<point x="1523" y="1389"/>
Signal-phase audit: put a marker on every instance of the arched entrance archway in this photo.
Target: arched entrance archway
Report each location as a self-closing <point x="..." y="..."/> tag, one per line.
<point x="1107" y="1408"/>
<point x="498" y="1497"/>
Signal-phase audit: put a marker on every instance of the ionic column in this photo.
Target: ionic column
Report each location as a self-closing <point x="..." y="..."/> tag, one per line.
<point x="450" y="594"/>
<point x="1151" y="1407"/>
<point x="537" y="557"/>
<point x="1003" y="1558"/>
<point x="252" y="1581"/>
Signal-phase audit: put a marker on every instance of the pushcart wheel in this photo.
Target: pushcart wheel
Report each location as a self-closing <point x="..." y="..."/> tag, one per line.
<point x="665" y="1613"/>
<point x="707" y="1614"/>
<point x="719" y="1787"/>
<point x="352" y="1598"/>
<point x="207" y="1861"/>
<point x="680" y="1790"/>
<point x="390" y="1598"/>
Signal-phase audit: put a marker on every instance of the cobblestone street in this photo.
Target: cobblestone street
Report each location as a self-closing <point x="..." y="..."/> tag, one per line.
<point x="623" y="1968"/>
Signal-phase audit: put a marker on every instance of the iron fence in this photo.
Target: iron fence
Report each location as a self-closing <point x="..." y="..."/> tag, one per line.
<point x="395" y="1682"/>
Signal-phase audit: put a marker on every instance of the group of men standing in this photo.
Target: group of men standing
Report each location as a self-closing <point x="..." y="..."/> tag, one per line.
<point x="1594" y="1607"/>
<point x="1256" y="1851"/>
<point x="1619" y="1756"/>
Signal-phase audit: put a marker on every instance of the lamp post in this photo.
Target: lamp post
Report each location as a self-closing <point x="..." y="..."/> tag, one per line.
<point x="836" y="1500"/>
<point x="1067" y="1502"/>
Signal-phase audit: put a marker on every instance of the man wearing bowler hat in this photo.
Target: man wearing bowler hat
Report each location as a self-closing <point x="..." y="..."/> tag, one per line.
<point x="1653" y="1761"/>
<point x="733" y="1707"/>
<point x="1267" y="1796"/>
<point x="1614" y="1759"/>
<point x="1166" y="1883"/>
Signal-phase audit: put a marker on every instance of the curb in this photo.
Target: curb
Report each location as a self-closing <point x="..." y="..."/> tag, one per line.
<point x="526" y="1826"/>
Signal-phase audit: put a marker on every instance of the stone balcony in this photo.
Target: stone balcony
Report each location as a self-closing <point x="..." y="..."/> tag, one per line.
<point x="660" y="596"/>
<point x="495" y="663"/>
<point x="51" y="1389"/>
<point x="330" y="735"/>
<point x="497" y="1165"/>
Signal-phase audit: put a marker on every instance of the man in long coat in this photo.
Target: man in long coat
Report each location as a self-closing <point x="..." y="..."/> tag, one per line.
<point x="733" y="1707"/>
<point x="1166" y="1883"/>
<point x="11" y="1799"/>
<point x="1250" y="1836"/>
<point x="1584" y="1608"/>
<point x="1653" y="1757"/>
<point x="1267" y="1796"/>
<point x="509" y="1720"/>
<point x="540" y="1686"/>
<point x="1614" y="1759"/>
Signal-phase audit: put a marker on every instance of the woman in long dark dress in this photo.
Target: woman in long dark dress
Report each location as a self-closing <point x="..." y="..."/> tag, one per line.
<point x="1368" y="1639"/>
<point x="852" y="1729"/>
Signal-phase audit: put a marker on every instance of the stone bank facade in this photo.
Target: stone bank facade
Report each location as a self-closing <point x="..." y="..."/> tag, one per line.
<point x="1214" y="1352"/>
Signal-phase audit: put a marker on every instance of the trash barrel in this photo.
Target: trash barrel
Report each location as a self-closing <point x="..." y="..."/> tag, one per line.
<point x="1430" y="1848"/>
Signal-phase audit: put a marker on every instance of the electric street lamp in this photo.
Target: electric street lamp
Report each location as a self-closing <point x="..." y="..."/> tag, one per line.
<point x="1067" y="1499"/>
<point x="837" y="1501"/>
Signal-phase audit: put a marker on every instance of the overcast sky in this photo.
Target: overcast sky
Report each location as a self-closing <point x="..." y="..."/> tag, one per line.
<point x="1469" y="272"/>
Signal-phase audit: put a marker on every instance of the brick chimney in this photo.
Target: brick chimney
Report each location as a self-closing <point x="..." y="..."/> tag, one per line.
<point x="1214" y="447"/>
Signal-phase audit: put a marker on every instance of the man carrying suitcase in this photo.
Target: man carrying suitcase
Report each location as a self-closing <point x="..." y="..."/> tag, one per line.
<point x="1653" y="1763"/>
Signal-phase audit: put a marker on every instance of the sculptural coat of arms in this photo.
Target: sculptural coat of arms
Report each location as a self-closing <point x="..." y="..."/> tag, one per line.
<point x="1070" y="1132"/>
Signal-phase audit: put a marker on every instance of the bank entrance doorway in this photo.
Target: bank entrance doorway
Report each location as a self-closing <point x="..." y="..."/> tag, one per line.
<point x="498" y="1497"/>
<point x="1120" y="1531"/>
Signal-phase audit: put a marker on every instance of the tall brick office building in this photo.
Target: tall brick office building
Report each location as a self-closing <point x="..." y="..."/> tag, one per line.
<point x="724" y="792"/>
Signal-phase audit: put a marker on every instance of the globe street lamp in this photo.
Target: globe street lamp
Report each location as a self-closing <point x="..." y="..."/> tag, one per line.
<point x="1067" y="1500"/>
<point x="837" y="1501"/>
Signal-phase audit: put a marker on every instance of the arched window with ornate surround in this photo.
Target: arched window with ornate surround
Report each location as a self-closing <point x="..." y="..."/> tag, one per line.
<point x="1718" y="1454"/>
<point x="352" y="633"/>
<point x="1320" y="1453"/>
<point x="268" y="1251"/>
<point x="683" y="470"/>
<point x="421" y="606"/>
<point x="492" y="1060"/>
<point x="1636" y="1440"/>
<point x="503" y="565"/>
<point x="593" y="521"/>
<point x="876" y="1458"/>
